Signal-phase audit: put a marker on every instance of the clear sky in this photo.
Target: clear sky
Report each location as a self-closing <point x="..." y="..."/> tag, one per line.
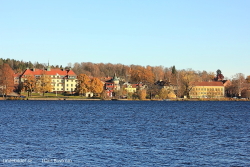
<point x="198" y="34"/>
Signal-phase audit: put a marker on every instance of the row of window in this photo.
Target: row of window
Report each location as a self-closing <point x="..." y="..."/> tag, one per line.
<point x="208" y="89"/>
<point x="62" y="85"/>
<point x="207" y="93"/>
<point x="62" y="89"/>
<point x="62" y="80"/>
<point x="58" y="76"/>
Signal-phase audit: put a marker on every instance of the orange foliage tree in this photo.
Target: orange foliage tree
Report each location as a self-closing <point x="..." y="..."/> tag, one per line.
<point x="83" y="85"/>
<point x="142" y="94"/>
<point x="96" y="86"/>
<point x="6" y="79"/>
<point x="29" y="84"/>
<point x="44" y="84"/>
<point x="248" y="79"/>
<point x="142" y="74"/>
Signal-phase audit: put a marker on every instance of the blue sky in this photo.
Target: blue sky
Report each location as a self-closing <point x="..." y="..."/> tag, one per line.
<point x="198" y="34"/>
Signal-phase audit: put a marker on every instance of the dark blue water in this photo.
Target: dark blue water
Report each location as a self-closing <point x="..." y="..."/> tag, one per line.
<point x="124" y="133"/>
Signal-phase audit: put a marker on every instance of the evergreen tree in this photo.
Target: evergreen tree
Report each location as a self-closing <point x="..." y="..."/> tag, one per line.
<point x="173" y="70"/>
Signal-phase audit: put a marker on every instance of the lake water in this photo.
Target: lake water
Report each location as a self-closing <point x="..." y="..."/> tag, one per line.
<point x="124" y="133"/>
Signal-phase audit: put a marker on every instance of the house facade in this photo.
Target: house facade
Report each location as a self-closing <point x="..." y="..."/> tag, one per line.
<point x="112" y="85"/>
<point x="214" y="89"/>
<point x="62" y="80"/>
<point x="131" y="88"/>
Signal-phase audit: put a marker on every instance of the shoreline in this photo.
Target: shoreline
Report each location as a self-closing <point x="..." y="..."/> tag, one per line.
<point x="81" y="99"/>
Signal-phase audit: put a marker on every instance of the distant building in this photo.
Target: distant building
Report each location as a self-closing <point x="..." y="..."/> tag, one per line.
<point x="130" y="88"/>
<point x="167" y="84"/>
<point x="208" y="90"/>
<point x="16" y="81"/>
<point x="63" y="80"/>
<point x="112" y="85"/>
<point x="219" y="76"/>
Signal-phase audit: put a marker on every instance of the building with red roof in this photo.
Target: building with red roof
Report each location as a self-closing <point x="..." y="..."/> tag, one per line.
<point x="111" y="85"/>
<point x="63" y="80"/>
<point x="214" y="89"/>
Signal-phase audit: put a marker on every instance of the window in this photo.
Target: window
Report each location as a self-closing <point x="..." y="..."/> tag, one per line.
<point x="71" y="85"/>
<point x="62" y="89"/>
<point x="57" y="84"/>
<point x="67" y="85"/>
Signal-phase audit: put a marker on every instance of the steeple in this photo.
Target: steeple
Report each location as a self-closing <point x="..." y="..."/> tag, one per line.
<point x="48" y="68"/>
<point x="115" y="78"/>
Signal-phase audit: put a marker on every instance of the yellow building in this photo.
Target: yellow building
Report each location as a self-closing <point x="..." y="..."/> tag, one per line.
<point x="208" y="90"/>
<point x="131" y="88"/>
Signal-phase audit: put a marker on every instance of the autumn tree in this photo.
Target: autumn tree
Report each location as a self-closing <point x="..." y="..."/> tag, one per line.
<point x="206" y="76"/>
<point x="29" y="84"/>
<point x="6" y="79"/>
<point x="142" y="94"/>
<point x="188" y="78"/>
<point x="44" y="84"/>
<point x="238" y="83"/>
<point x="165" y="93"/>
<point x="142" y="74"/>
<point x="96" y="86"/>
<point x="158" y="72"/>
<point x="83" y="85"/>
<point x="248" y="79"/>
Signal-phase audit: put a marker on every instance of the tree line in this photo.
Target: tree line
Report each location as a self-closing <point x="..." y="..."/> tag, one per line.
<point x="183" y="79"/>
<point x="20" y="66"/>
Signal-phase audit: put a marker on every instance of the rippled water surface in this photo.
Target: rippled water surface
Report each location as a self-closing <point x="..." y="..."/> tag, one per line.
<point x="124" y="133"/>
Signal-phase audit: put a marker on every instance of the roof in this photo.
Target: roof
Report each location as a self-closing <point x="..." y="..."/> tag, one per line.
<point x="134" y="85"/>
<point x="17" y="74"/>
<point x="51" y="72"/>
<point x="214" y="83"/>
<point x="131" y="85"/>
<point x="115" y="78"/>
